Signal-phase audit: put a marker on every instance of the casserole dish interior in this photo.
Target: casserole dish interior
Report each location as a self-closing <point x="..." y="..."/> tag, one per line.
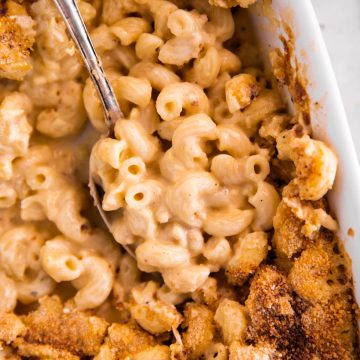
<point x="272" y="20"/>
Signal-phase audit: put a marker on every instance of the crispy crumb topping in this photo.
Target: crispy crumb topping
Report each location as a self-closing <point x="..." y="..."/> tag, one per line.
<point x="65" y="329"/>
<point x="16" y="41"/>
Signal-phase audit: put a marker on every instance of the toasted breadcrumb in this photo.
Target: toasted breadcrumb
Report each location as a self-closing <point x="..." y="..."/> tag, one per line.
<point x="15" y="41"/>
<point x="124" y="340"/>
<point x="43" y="352"/>
<point x="7" y="352"/>
<point x="310" y="274"/>
<point x="331" y="329"/>
<point x="10" y="327"/>
<point x="76" y="332"/>
<point x="251" y="250"/>
<point x="272" y="314"/>
<point x="288" y="239"/>
<point x="200" y="329"/>
<point x="231" y="319"/>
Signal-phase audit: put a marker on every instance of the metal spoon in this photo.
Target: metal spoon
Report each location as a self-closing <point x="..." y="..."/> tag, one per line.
<point x="77" y="29"/>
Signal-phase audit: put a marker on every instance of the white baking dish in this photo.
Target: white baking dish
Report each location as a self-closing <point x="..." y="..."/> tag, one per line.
<point x="327" y="112"/>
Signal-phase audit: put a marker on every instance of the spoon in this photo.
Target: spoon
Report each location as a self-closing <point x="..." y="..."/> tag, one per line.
<point x="73" y="20"/>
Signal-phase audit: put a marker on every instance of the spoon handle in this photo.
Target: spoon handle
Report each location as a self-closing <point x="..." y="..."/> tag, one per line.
<point x="77" y="29"/>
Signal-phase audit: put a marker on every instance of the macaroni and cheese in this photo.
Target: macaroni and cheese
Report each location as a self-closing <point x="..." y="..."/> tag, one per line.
<point x="217" y="190"/>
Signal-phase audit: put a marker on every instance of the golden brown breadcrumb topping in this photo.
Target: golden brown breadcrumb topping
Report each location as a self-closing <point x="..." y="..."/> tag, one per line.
<point x="64" y="328"/>
<point x="10" y="327"/>
<point x="329" y="328"/>
<point x="126" y="339"/>
<point x="281" y="324"/>
<point x="15" y="41"/>
<point x="199" y="329"/>
<point x="272" y="311"/>
<point x="288" y="239"/>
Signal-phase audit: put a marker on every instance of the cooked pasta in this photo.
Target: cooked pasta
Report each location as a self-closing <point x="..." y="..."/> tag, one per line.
<point x="217" y="194"/>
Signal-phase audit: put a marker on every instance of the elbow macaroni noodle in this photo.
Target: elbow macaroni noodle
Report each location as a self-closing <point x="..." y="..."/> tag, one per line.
<point x="186" y="179"/>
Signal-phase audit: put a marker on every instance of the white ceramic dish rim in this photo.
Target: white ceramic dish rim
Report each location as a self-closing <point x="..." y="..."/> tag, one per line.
<point x="329" y="122"/>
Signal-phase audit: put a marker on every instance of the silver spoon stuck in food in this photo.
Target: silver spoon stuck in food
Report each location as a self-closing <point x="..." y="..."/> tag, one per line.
<point x="112" y="111"/>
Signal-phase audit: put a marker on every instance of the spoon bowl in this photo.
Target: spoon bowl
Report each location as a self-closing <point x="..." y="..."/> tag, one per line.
<point x="112" y="112"/>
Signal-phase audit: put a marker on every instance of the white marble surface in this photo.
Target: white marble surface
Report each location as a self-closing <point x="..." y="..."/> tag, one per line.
<point x="340" y="24"/>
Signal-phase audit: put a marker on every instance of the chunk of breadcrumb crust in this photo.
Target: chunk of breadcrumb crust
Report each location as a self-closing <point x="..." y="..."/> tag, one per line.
<point x="125" y="340"/>
<point x="64" y="329"/>
<point x="249" y="352"/>
<point x="232" y="3"/>
<point x="331" y="329"/>
<point x="231" y="318"/>
<point x="7" y="352"/>
<point x="200" y="329"/>
<point x="250" y="251"/>
<point x="15" y="41"/>
<point x="10" y="327"/>
<point x="310" y="274"/>
<point x="273" y="319"/>
<point x="288" y="239"/>
<point x="42" y="352"/>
